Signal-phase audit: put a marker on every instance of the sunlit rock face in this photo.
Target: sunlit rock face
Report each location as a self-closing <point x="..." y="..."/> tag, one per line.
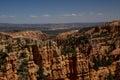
<point x="65" y="35"/>
<point x="9" y="68"/>
<point x="70" y="67"/>
<point x="93" y="54"/>
<point x="35" y="35"/>
<point x="32" y="70"/>
<point x="117" y="71"/>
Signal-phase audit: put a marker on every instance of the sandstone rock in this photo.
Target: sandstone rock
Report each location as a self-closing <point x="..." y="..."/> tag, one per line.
<point x="32" y="70"/>
<point x="35" y="35"/>
<point x="64" y="36"/>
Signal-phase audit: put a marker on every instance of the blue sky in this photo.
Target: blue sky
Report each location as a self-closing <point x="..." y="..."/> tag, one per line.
<point x="58" y="11"/>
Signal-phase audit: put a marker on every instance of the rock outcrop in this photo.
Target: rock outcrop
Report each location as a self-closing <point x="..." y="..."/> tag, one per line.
<point x="113" y="26"/>
<point x="10" y="68"/>
<point x="90" y="55"/>
<point x="34" y="35"/>
<point x="65" y="35"/>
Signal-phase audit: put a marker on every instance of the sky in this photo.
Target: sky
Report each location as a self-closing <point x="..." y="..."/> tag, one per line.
<point x="58" y="11"/>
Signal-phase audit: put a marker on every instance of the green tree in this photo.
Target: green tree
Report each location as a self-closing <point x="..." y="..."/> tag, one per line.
<point x="96" y="64"/>
<point x="110" y="77"/>
<point x="2" y="57"/>
<point x="41" y="75"/>
<point x="9" y="48"/>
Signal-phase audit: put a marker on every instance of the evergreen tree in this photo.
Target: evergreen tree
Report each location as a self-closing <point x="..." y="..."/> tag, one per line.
<point x="110" y="77"/>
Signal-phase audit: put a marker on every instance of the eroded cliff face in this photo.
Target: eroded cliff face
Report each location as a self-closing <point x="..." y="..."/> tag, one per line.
<point x="107" y="27"/>
<point x="9" y="68"/>
<point x="71" y="67"/>
<point x="90" y="55"/>
<point x="65" y="35"/>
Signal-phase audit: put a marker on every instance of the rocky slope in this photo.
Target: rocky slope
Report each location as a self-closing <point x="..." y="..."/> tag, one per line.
<point x="108" y="27"/>
<point x="34" y="35"/>
<point x="88" y="54"/>
<point x="65" y="35"/>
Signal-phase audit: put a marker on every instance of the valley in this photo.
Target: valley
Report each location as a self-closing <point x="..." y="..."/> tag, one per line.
<point x="70" y="52"/>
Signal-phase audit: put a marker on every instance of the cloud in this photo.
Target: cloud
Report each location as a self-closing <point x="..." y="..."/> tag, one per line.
<point x="6" y="16"/>
<point x="46" y="15"/>
<point x="12" y="16"/>
<point x="33" y="16"/>
<point x="94" y="14"/>
<point x="73" y="14"/>
<point x="67" y="15"/>
<point x="99" y="14"/>
<point x="3" y="16"/>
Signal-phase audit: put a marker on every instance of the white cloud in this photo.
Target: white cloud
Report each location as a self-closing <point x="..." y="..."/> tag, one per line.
<point x="46" y="15"/>
<point x="67" y="15"/>
<point x="12" y="16"/>
<point x="6" y="16"/>
<point x="94" y="14"/>
<point x="3" y="16"/>
<point x="100" y="14"/>
<point x="73" y="14"/>
<point x="33" y="16"/>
